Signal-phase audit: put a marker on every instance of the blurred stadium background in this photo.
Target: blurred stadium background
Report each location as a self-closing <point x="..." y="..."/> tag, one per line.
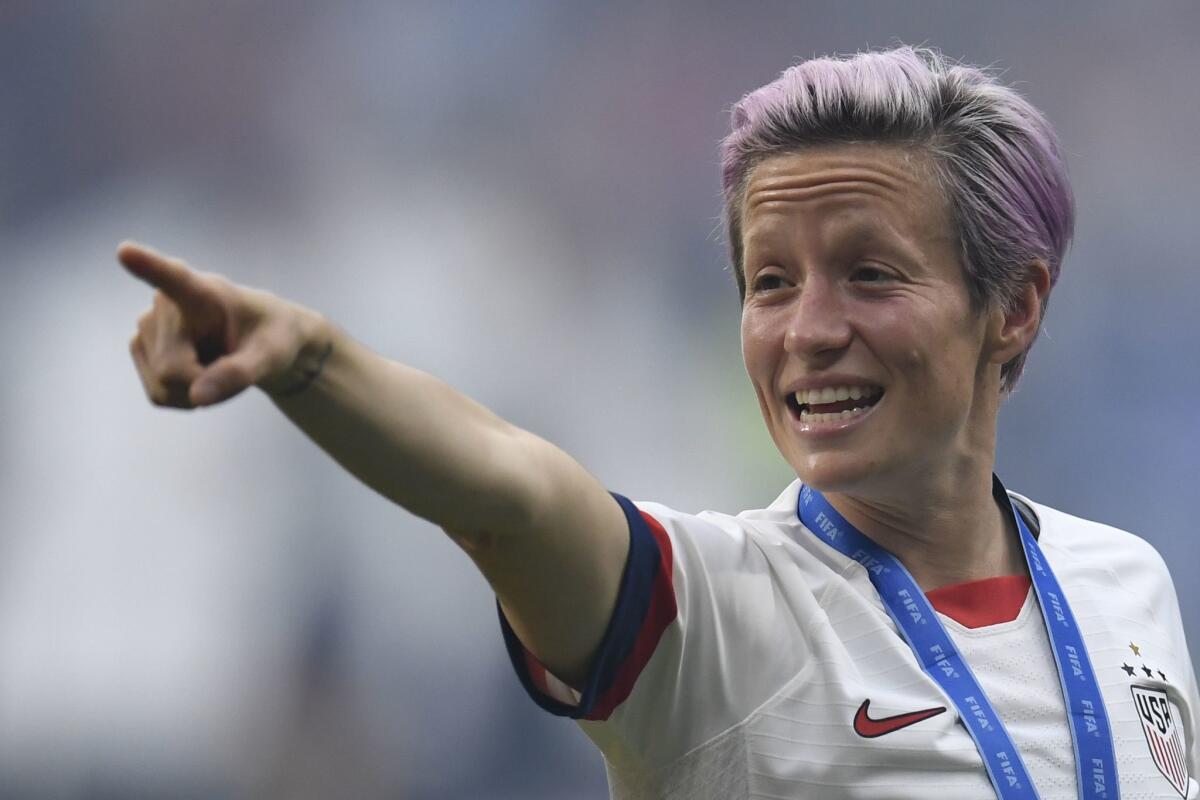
<point x="522" y="198"/>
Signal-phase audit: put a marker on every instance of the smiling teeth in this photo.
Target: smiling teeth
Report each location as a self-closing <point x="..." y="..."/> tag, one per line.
<point x="806" y="397"/>
<point x="809" y="417"/>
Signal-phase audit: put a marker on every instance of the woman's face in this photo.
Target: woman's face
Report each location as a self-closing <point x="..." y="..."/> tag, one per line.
<point x="870" y="364"/>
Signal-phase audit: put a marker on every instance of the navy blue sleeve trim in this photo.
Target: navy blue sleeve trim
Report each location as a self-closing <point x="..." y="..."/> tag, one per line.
<point x="633" y="598"/>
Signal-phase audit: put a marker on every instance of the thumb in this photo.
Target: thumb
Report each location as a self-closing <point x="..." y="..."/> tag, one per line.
<point x="231" y="374"/>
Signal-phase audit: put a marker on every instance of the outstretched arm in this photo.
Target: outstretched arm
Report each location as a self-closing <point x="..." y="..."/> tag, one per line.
<point x="546" y="534"/>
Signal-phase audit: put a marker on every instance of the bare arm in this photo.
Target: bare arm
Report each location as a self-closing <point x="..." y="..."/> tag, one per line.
<point x="547" y="536"/>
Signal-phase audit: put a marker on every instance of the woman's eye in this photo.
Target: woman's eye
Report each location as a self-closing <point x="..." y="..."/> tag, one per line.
<point x="768" y="282"/>
<point x="871" y="274"/>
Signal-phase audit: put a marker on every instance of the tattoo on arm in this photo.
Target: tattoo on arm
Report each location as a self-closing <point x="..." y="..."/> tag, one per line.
<point x="308" y="372"/>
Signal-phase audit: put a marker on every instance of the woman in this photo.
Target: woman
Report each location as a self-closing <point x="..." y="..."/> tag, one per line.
<point x="896" y="624"/>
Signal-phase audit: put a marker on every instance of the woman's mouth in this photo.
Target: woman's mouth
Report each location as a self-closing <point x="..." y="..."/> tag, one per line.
<point x="833" y="403"/>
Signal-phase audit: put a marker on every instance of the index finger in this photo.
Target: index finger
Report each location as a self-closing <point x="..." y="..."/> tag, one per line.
<point x="170" y="275"/>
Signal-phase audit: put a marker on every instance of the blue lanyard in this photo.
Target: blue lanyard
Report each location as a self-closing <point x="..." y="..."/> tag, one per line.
<point x="1095" y="762"/>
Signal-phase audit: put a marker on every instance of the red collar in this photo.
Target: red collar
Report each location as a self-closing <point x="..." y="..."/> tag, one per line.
<point x="977" y="604"/>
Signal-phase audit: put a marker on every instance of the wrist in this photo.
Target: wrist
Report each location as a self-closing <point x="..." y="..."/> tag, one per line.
<point x="309" y="364"/>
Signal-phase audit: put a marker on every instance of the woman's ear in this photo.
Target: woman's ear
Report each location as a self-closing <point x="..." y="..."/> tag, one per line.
<point x="1013" y="330"/>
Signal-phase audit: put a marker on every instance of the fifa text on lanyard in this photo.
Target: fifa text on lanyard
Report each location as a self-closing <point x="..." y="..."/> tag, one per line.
<point x="1095" y="762"/>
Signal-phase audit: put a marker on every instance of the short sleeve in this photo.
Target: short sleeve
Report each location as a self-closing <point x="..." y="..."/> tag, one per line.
<point x="645" y="607"/>
<point x="705" y="629"/>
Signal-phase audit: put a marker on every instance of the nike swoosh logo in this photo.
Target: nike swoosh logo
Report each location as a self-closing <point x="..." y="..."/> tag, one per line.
<point x="870" y="728"/>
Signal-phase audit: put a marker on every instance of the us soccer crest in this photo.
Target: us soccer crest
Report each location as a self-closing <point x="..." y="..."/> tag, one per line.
<point x="1163" y="735"/>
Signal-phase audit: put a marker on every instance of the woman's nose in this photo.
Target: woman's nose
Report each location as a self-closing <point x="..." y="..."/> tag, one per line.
<point x="817" y="325"/>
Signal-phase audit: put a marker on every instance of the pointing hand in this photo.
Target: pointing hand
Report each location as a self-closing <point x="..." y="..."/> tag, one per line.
<point x="205" y="339"/>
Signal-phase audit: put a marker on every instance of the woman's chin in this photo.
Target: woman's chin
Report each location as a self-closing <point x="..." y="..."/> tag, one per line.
<point x="836" y="472"/>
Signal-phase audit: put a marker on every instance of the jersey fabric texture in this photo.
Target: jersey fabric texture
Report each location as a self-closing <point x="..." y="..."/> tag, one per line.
<point x="747" y="658"/>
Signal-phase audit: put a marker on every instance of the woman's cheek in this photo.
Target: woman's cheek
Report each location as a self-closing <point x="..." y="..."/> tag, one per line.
<point x="757" y="343"/>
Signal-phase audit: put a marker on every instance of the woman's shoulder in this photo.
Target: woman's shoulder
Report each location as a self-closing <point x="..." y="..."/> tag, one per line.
<point x="777" y="520"/>
<point x="772" y="534"/>
<point x="1085" y="537"/>
<point x="1087" y="550"/>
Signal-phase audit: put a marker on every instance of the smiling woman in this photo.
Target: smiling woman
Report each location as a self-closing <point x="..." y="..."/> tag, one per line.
<point x="853" y="281"/>
<point x="896" y="624"/>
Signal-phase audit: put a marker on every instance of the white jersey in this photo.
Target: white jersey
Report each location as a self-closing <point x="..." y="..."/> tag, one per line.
<point x="747" y="658"/>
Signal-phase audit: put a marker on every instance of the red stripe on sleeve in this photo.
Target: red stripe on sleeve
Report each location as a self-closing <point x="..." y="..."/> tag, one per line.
<point x="660" y="613"/>
<point x="537" y="673"/>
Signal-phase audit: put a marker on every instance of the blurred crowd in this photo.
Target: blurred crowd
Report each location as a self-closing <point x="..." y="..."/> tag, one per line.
<point x="522" y="198"/>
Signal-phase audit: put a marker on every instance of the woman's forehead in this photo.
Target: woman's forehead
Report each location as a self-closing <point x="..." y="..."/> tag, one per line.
<point x="857" y="185"/>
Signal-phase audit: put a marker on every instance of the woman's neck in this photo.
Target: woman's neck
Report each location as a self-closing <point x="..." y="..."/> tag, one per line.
<point x="943" y="534"/>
